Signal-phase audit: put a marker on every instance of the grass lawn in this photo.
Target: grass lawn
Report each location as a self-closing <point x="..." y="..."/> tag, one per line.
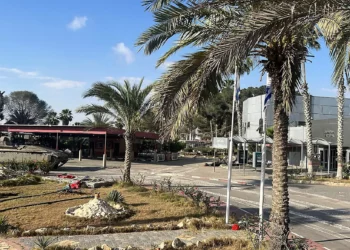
<point x="149" y="208"/>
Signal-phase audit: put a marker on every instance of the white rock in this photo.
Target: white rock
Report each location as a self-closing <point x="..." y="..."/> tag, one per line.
<point x="26" y="233"/>
<point x="180" y="225"/>
<point x="41" y="230"/>
<point x="95" y="208"/>
<point x="106" y="247"/>
<point x="162" y="245"/>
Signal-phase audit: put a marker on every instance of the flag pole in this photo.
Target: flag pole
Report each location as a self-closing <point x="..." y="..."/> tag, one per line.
<point x="263" y="162"/>
<point x="229" y="165"/>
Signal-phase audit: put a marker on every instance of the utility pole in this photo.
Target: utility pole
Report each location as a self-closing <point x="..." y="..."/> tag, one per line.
<point x="216" y="135"/>
<point x="228" y="193"/>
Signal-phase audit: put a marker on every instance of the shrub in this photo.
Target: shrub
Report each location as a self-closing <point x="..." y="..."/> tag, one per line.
<point x="4" y="225"/>
<point x="45" y="166"/>
<point x="176" y="146"/>
<point x="115" y="196"/>
<point x="43" y="242"/>
<point x="346" y="172"/>
<point x="188" y="150"/>
<point x="200" y="198"/>
<point x="31" y="165"/>
<point x="21" y="181"/>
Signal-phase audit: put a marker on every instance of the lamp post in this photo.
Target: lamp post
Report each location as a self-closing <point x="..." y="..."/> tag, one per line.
<point x="231" y="148"/>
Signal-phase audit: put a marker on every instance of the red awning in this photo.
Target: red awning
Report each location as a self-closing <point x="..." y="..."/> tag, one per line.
<point x="72" y="130"/>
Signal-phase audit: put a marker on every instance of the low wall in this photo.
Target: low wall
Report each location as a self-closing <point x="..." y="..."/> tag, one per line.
<point x="8" y="156"/>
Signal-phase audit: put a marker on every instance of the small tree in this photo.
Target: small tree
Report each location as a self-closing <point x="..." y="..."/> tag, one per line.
<point x="126" y="103"/>
<point x="65" y="116"/>
<point x="51" y="118"/>
<point x="2" y="103"/>
<point x="24" y="107"/>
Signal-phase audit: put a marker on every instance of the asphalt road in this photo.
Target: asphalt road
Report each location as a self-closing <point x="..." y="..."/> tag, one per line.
<point x="317" y="212"/>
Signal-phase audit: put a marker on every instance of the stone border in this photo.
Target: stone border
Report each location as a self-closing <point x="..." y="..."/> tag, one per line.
<point x="326" y="183"/>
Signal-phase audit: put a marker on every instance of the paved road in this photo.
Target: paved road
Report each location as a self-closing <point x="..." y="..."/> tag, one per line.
<point x="320" y="213"/>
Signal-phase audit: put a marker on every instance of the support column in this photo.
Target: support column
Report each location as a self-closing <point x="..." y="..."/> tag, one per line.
<point x="302" y="155"/>
<point x="80" y="154"/>
<point x="57" y="141"/>
<point x="329" y="157"/>
<point x="105" y="153"/>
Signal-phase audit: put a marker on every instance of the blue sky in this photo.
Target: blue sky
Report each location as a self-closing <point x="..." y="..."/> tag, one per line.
<point x="57" y="49"/>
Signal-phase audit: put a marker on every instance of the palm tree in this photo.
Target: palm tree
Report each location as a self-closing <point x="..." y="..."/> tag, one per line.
<point x="124" y="102"/>
<point x="2" y="104"/>
<point x="98" y="120"/>
<point x="311" y="40"/>
<point x="308" y="121"/>
<point x="51" y="118"/>
<point x="229" y="31"/>
<point x="337" y="36"/>
<point x="65" y="116"/>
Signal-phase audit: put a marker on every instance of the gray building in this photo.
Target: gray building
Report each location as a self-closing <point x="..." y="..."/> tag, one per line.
<point x="322" y="108"/>
<point x="324" y="127"/>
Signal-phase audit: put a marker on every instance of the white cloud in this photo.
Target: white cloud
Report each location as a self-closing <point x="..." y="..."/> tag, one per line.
<point x="166" y="65"/>
<point x="52" y="82"/>
<point x="134" y="80"/>
<point x="77" y="23"/>
<point x="122" y="50"/>
<point x="19" y="72"/>
<point x="109" y="78"/>
<point x="63" y="84"/>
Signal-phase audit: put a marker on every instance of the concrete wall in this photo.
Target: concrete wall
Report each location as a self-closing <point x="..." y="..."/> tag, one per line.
<point x="19" y="157"/>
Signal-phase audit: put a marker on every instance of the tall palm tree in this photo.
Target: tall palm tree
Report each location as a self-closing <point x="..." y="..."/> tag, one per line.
<point x="51" y="118"/>
<point x="65" y="116"/>
<point x="227" y="32"/>
<point x="311" y="40"/>
<point x="2" y="104"/>
<point x="98" y="120"/>
<point x="125" y="102"/>
<point x="308" y="121"/>
<point x="337" y="35"/>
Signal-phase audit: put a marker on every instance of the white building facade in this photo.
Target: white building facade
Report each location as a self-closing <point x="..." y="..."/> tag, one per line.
<point x="322" y="108"/>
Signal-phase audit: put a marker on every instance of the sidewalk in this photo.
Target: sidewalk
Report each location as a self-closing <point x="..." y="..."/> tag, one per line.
<point x="138" y="239"/>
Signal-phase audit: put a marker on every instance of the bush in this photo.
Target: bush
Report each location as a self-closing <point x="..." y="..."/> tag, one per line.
<point x="21" y="181"/>
<point x="45" y="166"/>
<point x="346" y="172"/>
<point x="188" y="150"/>
<point x="31" y="165"/>
<point x="13" y="168"/>
<point x="115" y="197"/>
<point x="205" y="150"/>
<point x="176" y="146"/>
<point x="4" y="225"/>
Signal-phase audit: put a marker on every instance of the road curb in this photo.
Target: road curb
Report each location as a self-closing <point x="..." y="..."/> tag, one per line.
<point x="325" y="183"/>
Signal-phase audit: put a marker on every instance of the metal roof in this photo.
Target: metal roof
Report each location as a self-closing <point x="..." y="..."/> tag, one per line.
<point x="81" y="130"/>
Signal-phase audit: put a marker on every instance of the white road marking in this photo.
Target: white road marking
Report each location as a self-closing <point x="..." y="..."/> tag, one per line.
<point x="298" y="235"/>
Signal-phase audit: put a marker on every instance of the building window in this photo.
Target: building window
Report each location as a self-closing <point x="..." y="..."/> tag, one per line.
<point x="248" y="124"/>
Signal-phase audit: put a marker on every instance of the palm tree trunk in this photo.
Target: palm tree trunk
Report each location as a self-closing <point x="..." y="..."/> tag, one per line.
<point x="341" y="90"/>
<point x="308" y="121"/>
<point x="279" y="216"/>
<point x="239" y="118"/>
<point x="128" y="157"/>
